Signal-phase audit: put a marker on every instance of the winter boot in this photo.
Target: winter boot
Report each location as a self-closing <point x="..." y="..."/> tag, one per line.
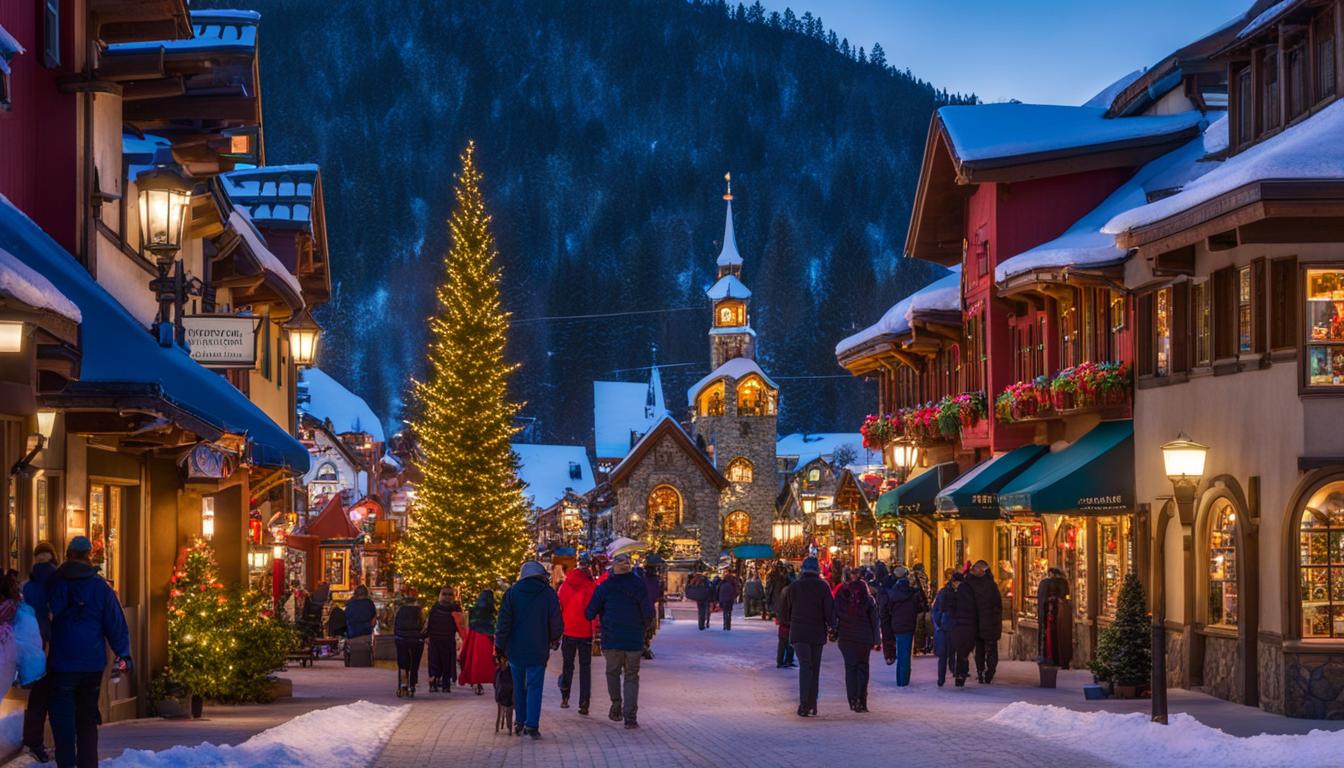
<point x="564" y="702"/>
<point x="615" y="714"/>
<point x="583" y="708"/>
<point x="433" y="685"/>
<point x="533" y="734"/>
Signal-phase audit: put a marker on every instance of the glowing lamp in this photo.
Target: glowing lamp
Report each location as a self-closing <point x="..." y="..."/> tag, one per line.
<point x="1184" y="459"/>
<point x="208" y="516"/>
<point x="164" y="197"/>
<point x="11" y="336"/>
<point x="278" y="552"/>
<point x="46" y="421"/>
<point x="904" y="454"/>
<point x="304" y="335"/>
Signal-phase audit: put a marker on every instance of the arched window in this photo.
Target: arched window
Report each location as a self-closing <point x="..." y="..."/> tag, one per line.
<point x="710" y="400"/>
<point x="664" y="507"/>
<point x="1321" y="559"/>
<point x="327" y="473"/>
<point x="754" y="398"/>
<point x="736" y="528"/>
<point x="1223" y="564"/>
<point x="740" y="470"/>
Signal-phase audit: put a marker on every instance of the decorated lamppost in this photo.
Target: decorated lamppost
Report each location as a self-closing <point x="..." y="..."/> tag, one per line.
<point x="164" y="197"/>
<point x="1183" y="460"/>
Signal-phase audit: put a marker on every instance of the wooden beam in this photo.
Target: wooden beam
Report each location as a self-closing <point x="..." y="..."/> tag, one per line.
<point x="153" y="89"/>
<point x="1291" y="230"/>
<point x="217" y="108"/>
<point x="1222" y="241"/>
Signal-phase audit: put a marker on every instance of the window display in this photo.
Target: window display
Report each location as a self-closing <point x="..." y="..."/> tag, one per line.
<point x="1325" y="327"/>
<point x="1117" y="557"/>
<point x="1163" y="330"/>
<point x="1223" y="565"/>
<point x="1071" y="541"/>
<point x="1031" y="554"/>
<point x="1321" y="560"/>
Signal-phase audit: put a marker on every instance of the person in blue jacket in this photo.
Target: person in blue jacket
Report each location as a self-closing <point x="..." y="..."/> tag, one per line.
<point x="35" y="595"/>
<point x="528" y="629"/>
<point x="624" y="605"/>
<point x="86" y="619"/>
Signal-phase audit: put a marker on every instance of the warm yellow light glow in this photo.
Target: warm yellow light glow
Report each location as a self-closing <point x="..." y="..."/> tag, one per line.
<point x="46" y="421"/>
<point x="1184" y="459"/>
<point x="208" y="517"/>
<point x="11" y="336"/>
<point x="164" y="197"/>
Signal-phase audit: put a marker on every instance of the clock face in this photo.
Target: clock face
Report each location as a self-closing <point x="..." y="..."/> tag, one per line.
<point x="725" y="315"/>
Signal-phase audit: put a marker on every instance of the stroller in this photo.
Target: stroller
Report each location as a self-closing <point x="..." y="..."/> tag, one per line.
<point x="504" y="698"/>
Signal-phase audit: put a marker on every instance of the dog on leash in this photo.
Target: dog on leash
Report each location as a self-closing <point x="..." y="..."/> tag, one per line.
<point x="503" y="697"/>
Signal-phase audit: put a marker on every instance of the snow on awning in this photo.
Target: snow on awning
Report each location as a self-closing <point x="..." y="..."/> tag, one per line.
<point x="1087" y="243"/>
<point x="737" y="369"/>
<point x="548" y="470"/>
<point x="943" y="294"/>
<point x="118" y="353"/>
<point x="1308" y="151"/>
<point x="728" y="287"/>
<point x="24" y="285"/>
<point x="241" y="223"/>
<point x="988" y="132"/>
<point x="328" y="399"/>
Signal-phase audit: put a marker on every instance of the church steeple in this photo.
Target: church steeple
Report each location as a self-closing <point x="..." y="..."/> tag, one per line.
<point x="730" y="335"/>
<point x="729" y="261"/>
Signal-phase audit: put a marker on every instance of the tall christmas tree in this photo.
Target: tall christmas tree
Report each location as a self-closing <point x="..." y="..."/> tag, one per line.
<point x="468" y="522"/>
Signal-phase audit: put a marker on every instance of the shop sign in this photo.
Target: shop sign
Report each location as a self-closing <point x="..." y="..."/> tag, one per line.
<point x="823" y="518"/>
<point x="222" y="341"/>
<point x="206" y="462"/>
<point x="1114" y="503"/>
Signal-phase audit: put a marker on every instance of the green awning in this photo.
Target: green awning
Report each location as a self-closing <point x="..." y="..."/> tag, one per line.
<point x="975" y="495"/>
<point x="1094" y="474"/>
<point x="915" y="496"/>
<point x="753" y="552"/>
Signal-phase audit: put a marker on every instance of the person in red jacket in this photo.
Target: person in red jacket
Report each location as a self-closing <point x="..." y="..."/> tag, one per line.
<point x="575" y="593"/>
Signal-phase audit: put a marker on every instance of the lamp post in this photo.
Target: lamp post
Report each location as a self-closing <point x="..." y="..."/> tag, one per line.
<point x="1183" y="460"/>
<point x="304" y="335"/>
<point x="905" y="455"/>
<point x="164" y="196"/>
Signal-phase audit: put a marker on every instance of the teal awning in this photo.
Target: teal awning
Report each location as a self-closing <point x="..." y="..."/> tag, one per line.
<point x="975" y="495"/>
<point x="915" y="496"/>
<point x="1094" y="474"/>
<point x="753" y="552"/>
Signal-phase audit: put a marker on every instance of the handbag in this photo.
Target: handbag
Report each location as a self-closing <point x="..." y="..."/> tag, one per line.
<point x="28" y="638"/>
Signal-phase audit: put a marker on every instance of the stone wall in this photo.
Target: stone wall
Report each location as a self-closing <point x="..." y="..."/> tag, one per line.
<point x="1222" y="665"/>
<point x="1313" y="685"/>
<point x="1270" y="655"/>
<point x="668" y="463"/>
<point x="753" y="438"/>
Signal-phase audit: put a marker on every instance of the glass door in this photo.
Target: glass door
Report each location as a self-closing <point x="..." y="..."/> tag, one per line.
<point x="106" y="511"/>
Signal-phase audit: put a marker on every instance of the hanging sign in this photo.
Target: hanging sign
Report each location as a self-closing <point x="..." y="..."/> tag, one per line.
<point x="222" y="341"/>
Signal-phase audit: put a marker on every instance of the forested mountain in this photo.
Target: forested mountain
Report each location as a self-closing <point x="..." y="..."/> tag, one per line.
<point x="604" y="129"/>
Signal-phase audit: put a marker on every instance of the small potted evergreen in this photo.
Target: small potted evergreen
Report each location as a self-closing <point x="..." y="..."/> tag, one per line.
<point x="1124" y="655"/>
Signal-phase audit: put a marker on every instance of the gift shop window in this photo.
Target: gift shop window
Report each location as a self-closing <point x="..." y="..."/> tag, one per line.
<point x="1223" y="565"/>
<point x="1324" y="323"/>
<point x="1117" y="559"/>
<point x="106" y="508"/>
<point x="1321" y="563"/>
<point x="1071" y="548"/>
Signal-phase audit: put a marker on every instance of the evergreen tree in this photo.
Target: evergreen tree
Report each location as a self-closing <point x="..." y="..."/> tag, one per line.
<point x="878" y="57"/>
<point x="1125" y="649"/>
<point x="467" y="525"/>
<point x="756" y="13"/>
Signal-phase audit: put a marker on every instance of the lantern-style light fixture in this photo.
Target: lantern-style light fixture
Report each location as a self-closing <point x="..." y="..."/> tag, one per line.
<point x="46" y="422"/>
<point x="208" y="517"/>
<point x="11" y="336"/>
<point x="1183" y="459"/>
<point x="164" y="197"/>
<point x="905" y="454"/>
<point x="304" y="335"/>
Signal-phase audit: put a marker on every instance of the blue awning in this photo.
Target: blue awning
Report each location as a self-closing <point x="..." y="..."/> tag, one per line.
<point x="753" y="552"/>
<point x="122" y="362"/>
<point x="975" y="495"/>
<point x="1094" y="474"/>
<point x="915" y="496"/>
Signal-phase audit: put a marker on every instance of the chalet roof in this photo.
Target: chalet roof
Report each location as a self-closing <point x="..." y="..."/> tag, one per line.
<point x="1267" y="17"/>
<point x="943" y="294"/>
<point x="667" y="426"/>
<point x="329" y="399"/>
<point x="275" y="270"/>
<point x="1086" y="243"/>
<point x="737" y="369"/>
<point x="332" y="523"/>
<point x="1307" y="151"/>
<point x="728" y="287"/>
<point x="1104" y="97"/>
<point x="120" y="21"/>
<point x="622" y="408"/>
<point x="276" y="195"/>
<point x="728" y="256"/>
<point x="215" y="30"/>
<point x="548" y="471"/>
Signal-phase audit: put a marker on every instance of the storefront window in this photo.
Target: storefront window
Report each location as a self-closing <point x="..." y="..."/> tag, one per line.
<point x="1006" y="573"/>
<point x="105" y="506"/>
<point x="1072" y="545"/>
<point x="1163" y="330"/>
<point x="1321" y="559"/>
<point x="1325" y="327"/>
<point x="1031" y="554"/>
<point x="664" y="507"/>
<point x="1223" y="565"/>
<point x="1116" y="559"/>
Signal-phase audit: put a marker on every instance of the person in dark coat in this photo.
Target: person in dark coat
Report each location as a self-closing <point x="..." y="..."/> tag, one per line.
<point x="86" y="619"/>
<point x="360" y="613"/>
<point x="962" y="629"/>
<point x="698" y="591"/>
<point x="901" y="610"/>
<point x="442" y="627"/>
<point x="728" y="592"/>
<point x="808" y="609"/>
<point x="528" y="629"/>
<point x="857" y="634"/>
<point x="1055" y="612"/>
<point x="408" y="635"/>
<point x="753" y="597"/>
<point x="39" y="694"/>
<point x="942" y="614"/>
<point x="775" y="584"/>
<point x="624" y="606"/>
<point x="654" y="586"/>
<point x="919" y="579"/>
<point x="988" y="620"/>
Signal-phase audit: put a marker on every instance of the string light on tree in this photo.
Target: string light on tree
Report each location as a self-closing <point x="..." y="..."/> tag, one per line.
<point x="468" y="521"/>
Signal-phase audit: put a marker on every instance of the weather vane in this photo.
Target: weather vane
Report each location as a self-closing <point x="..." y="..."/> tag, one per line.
<point x="728" y="177"/>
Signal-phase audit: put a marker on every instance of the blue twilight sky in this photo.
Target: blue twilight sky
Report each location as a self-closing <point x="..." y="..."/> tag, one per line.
<point x="1042" y="51"/>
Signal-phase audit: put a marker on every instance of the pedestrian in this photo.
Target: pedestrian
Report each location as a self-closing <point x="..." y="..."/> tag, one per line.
<point x="728" y="592"/>
<point x="623" y="604"/>
<point x="714" y="592"/>
<point x="808" y="609"/>
<point x="529" y="627"/>
<point x="314" y="611"/>
<point x="988" y="620"/>
<point x="86" y="620"/>
<point x="943" y="612"/>
<point x="1055" y="612"/>
<point x="577" y="640"/>
<point x="901" y="609"/>
<point x="962" y="630"/>
<point x="775" y="584"/>
<point x="857" y="634"/>
<point x="408" y="635"/>
<point x="35" y="595"/>
<point x="699" y="590"/>
<point x="360" y="614"/>
<point x="478" y="649"/>
<point x="649" y="573"/>
<point x="442" y="627"/>
<point x="919" y="579"/>
<point x="753" y="596"/>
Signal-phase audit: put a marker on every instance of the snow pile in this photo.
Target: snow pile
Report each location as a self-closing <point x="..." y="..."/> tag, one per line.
<point x="995" y="131"/>
<point x="348" y="735"/>
<point x="1309" y="150"/>
<point x="1136" y="740"/>
<point x="1107" y="95"/>
<point x="26" y="286"/>
<point x="329" y="399"/>
<point x="942" y="294"/>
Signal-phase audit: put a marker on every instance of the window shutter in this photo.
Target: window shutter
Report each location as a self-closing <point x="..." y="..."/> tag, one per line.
<point x="1283" y="309"/>
<point x="1144" y="331"/>
<point x="51" y="33"/>
<point x="1224" y="310"/>
<point x="1180" y="327"/>
<point x="1259" y="321"/>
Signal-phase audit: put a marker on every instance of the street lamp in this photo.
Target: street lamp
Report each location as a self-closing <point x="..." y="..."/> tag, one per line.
<point x="304" y="335"/>
<point x="164" y="196"/>
<point x="1183" y="460"/>
<point x="905" y="455"/>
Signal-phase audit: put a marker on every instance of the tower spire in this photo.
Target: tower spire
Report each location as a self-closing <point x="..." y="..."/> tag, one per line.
<point x="728" y="256"/>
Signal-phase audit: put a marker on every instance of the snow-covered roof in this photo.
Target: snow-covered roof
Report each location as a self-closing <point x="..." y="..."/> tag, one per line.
<point x="215" y="30"/>
<point x="728" y="256"/>
<point x="1104" y="97"/>
<point x="622" y="409"/>
<point x="1309" y="150"/>
<point x="9" y="48"/>
<point x="329" y="399"/>
<point x="811" y="445"/>
<point x="549" y="469"/>
<point x="943" y="294"/>
<point x="116" y="349"/>
<point x="736" y="369"/>
<point x="240" y="222"/>
<point x="731" y="330"/>
<point x="1270" y="14"/>
<point x="995" y="131"/>
<point x="276" y="195"/>
<point x="1086" y="243"/>
<point x="140" y="152"/>
<point x="25" y="285"/>
<point x="728" y="287"/>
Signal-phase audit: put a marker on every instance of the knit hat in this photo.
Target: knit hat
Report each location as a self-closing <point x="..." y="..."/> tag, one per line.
<point x="530" y="569"/>
<point x="900" y="571"/>
<point x="44" y="548"/>
<point x="80" y="544"/>
<point x="810" y="565"/>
